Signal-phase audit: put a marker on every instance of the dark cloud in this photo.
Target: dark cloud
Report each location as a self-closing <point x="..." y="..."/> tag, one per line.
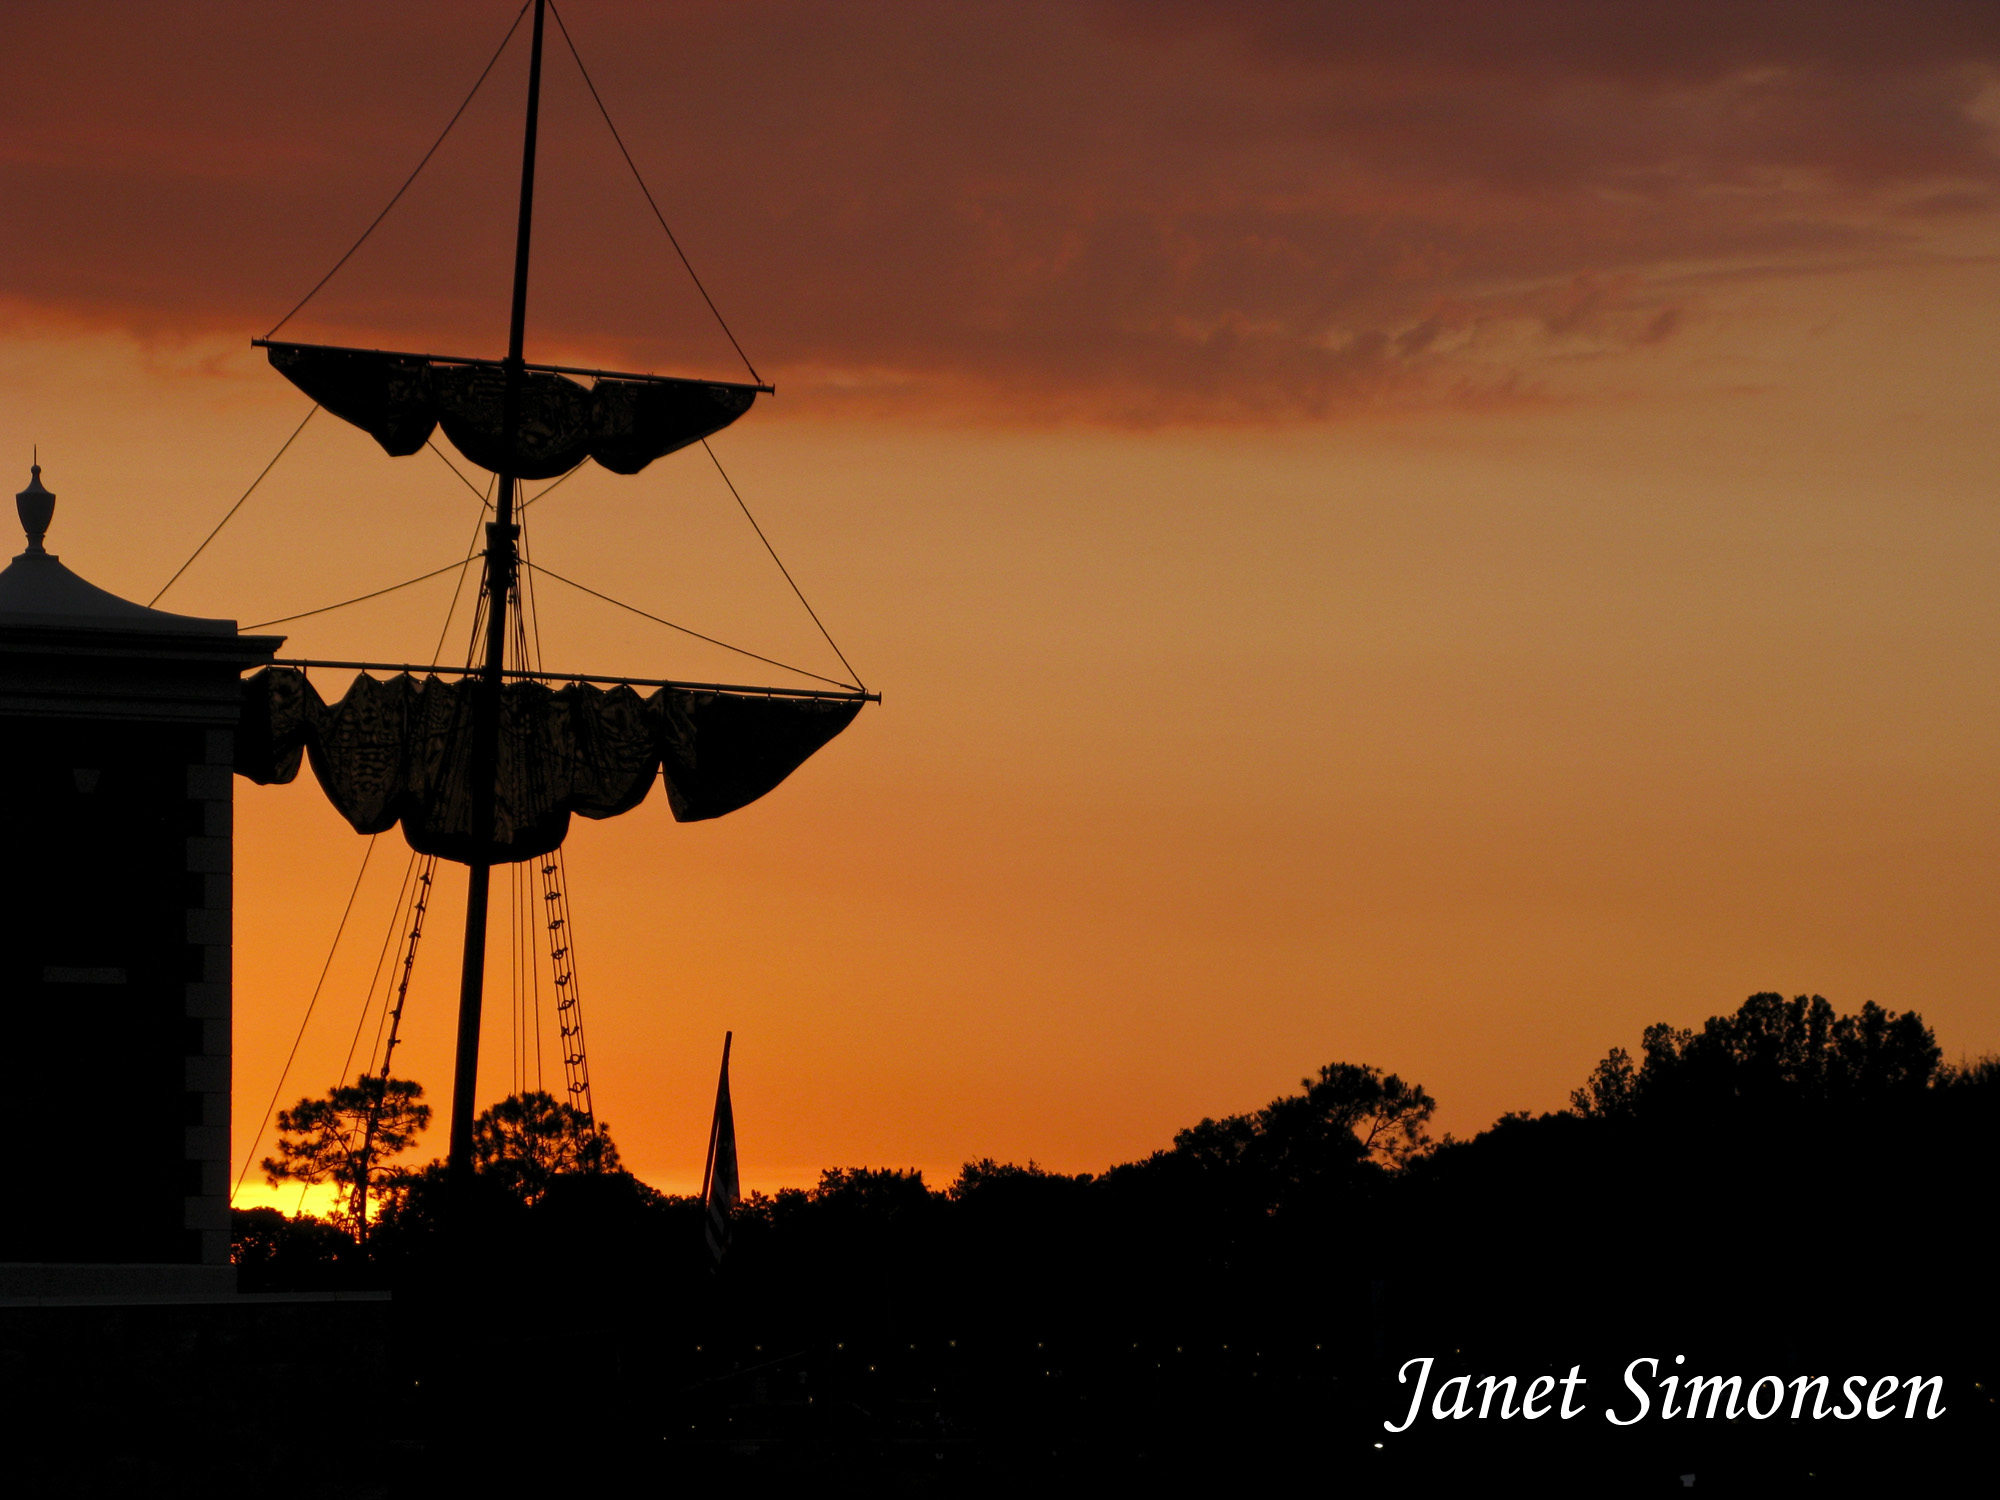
<point x="1127" y="212"/>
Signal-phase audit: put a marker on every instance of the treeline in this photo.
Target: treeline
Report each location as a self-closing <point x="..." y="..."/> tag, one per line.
<point x="1783" y="1176"/>
<point x="1784" y="1191"/>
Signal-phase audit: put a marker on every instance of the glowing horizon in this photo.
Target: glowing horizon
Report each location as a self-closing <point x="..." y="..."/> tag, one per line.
<point x="1431" y="545"/>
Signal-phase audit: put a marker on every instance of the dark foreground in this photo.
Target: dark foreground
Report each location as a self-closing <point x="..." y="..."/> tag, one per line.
<point x="1785" y="1194"/>
<point x="592" y="1395"/>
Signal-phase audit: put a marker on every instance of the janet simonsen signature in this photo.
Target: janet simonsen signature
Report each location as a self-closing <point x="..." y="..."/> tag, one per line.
<point x="1801" y="1398"/>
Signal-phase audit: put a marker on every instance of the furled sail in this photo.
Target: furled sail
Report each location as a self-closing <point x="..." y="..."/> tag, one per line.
<point x="400" y="750"/>
<point x="623" y="422"/>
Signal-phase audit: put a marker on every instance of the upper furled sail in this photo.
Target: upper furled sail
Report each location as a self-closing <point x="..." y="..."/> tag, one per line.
<point x="400" y="751"/>
<point x="622" y="421"/>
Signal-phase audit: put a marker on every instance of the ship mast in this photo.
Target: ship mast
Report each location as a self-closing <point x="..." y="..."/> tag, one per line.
<point x="501" y="564"/>
<point x="546" y="424"/>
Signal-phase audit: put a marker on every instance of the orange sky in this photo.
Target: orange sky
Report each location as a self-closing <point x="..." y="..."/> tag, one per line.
<point x="1432" y="537"/>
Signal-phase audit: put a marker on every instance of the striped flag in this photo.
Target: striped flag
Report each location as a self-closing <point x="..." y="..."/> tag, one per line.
<point x="720" y="1190"/>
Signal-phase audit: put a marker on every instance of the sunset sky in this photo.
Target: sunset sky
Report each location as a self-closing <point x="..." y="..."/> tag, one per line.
<point x="1432" y="535"/>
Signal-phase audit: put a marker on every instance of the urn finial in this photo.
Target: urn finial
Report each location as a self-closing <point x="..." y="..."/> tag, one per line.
<point x="36" y="507"/>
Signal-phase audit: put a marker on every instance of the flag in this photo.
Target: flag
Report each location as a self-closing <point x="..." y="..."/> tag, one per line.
<point x="720" y="1190"/>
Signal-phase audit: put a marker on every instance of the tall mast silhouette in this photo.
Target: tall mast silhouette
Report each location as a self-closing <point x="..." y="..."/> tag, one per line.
<point x="502" y="533"/>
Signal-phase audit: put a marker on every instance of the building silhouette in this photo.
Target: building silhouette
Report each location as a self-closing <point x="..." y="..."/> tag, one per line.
<point x="116" y="746"/>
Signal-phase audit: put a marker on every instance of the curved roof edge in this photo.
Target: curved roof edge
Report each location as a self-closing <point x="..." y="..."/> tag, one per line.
<point x="36" y="589"/>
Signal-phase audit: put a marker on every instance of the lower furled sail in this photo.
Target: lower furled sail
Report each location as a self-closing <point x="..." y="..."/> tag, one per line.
<point x="622" y="422"/>
<point x="400" y="750"/>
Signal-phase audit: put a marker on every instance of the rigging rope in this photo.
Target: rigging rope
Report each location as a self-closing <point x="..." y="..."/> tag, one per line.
<point x="285" y="1072"/>
<point x="445" y="629"/>
<point x="524" y="595"/>
<point x="362" y="598"/>
<point x="376" y="221"/>
<point x="431" y="443"/>
<point x="536" y="970"/>
<point x="552" y="484"/>
<point x="650" y="203"/>
<point x="234" y="508"/>
<point x="381" y="960"/>
<point x="396" y="922"/>
<point x="528" y="656"/>
<point x="417" y="892"/>
<point x="520" y="955"/>
<point x="562" y="967"/>
<point x="523" y="955"/>
<point x="779" y="561"/>
<point x="422" y="893"/>
<point x="367" y="1128"/>
<point x="478" y="627"/>
<point x="769" y="661"/>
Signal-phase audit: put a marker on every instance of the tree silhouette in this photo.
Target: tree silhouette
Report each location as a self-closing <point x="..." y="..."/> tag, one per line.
<point x="1302" y="1152"/>
<point x="1349" y="1114"/>
<point x="347" y="1138"/>
<point x="876" y="1191"/>
<point x="987" y="1178"/>
<point x="1771" y="1053"/>
<point x="527" y="1140"/>
<point x="1386" y="1119"/>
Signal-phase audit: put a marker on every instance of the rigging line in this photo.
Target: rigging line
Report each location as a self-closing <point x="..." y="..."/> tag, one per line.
<point x="418" y="893"/>
<point x="514" y="971"/>
<point x="478" y="623"/>
<point x="234" y="508"/>
<point x="459" y="587"/>
<point x="426" y="869"/>
<point x="564" y="479"/>
<point x="368" y="998"/>
<point x="362" y="598"/>
<point x="535" y="971"/>
<point x="525" y="968"/>
<point x="636" y="177"/>
<point x="521" y="911"/>
<point x="517" y="649"/>
<point x="531" y="988"/>
<point x="373" y="224"/>
<point x="525" y="591"/>
<point x="768" y="661"/>
<point x="778" y="560"/>
<point x="403" y="891"/>
<point x="285" y="1072"/>
<point x="517" y="642"/>
<point x="381" y="1020"/>
<point x="563" y="983"/>
<point x="531" y="1024"/>
<point x="397" y="920"/>
<point x="431" y="443"/>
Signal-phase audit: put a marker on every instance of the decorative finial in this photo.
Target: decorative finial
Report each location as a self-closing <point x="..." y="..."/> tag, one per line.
<point x="36" y="507"/>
